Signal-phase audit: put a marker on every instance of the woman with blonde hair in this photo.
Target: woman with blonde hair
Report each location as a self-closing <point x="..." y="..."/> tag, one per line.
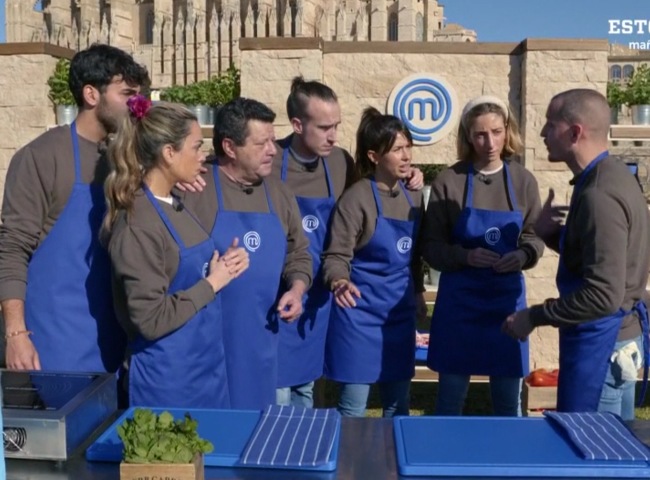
<point x="478" y="233"/>
<point x="166" y="270"/>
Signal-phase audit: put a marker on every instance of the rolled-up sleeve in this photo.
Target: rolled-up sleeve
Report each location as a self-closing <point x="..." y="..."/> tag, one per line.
<point x="27" y="197"/>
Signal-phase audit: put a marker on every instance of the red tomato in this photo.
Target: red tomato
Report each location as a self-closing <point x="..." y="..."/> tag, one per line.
<point x="543" y="377"/>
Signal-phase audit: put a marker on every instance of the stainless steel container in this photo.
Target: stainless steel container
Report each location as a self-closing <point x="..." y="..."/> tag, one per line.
<point x="640" y="114"/>
<point x="65" y="114"/>
<point x="48" y="415"/>
<point x="201" y="112"/>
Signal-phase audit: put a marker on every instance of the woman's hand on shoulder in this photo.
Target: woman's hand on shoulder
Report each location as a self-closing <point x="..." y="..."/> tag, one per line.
<point x="196" y="186"/>
<point x="415" y="180"/>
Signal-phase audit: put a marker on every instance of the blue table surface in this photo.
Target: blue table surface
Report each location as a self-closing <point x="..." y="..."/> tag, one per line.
<point x="367" y="451"/>
<point x="497" y="447"/>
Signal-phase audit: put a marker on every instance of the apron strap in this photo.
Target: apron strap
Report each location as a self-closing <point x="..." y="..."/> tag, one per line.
<point x="217" y="187"/>
<point x="375" y="194"/>
<point x="164" y="217"/>
<point x="509" y="187"/>
<point x="330" y="187"/>
<point x="285" y="165"/>
<point x="75" y="152"/>
<point x="469" y="196"/>
<point x="642" y="310"/>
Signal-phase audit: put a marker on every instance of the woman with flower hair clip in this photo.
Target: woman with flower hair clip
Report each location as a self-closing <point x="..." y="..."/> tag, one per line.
<point x="166" y="270"/>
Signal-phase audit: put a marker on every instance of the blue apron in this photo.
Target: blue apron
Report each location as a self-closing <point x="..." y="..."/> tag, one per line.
<point x="375" y="341"/>
<point x="186" y="368"/>
<point x="68" y="304"/>
<point x="472" y="303"/>
<point x="585" y="349"/>
<point x="302" y="343"/>
<point x="249" y="303"/>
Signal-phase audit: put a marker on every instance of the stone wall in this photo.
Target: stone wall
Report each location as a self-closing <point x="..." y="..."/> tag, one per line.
<point x="24" y="106"/>
<point x="527" y="74"/>
<point x="363" y="73"/>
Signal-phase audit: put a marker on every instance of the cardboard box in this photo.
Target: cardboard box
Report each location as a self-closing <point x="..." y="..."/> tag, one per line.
<point x="537" y="399"/>
<point x="171" y="471"/>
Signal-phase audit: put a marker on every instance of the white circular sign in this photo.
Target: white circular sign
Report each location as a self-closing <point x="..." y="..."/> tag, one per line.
<point x="427" y="105"/>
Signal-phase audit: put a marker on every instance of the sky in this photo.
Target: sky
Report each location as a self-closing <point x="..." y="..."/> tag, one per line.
<point x="515" y="20"/>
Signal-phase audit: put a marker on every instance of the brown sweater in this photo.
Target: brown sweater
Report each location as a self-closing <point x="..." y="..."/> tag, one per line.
<point x="309" y="180"/>
<point x="297" y="265"/>
<point x="38" y="184"/>
<point x="145" y="259"/>
<point x="447" y="200"/>
<point x="608" y="245"/>
<point x="353" y="225"/>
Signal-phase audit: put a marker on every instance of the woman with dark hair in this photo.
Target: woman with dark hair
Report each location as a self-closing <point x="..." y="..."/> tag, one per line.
<point x="370" y="264"/>
<point x="166" y="270"/>
<point x="479" y="233"/>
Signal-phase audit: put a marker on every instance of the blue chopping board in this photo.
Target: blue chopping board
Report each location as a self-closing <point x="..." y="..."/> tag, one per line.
<point x="497" y="447"/>
<point x="228" y="430"/>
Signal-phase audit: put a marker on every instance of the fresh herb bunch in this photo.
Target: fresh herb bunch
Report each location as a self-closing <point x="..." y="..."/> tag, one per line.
<point x="151" y="438"/>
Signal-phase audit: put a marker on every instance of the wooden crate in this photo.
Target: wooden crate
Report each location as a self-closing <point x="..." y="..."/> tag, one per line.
<point x="170" y="471"/>
<point x="537" y="399"/>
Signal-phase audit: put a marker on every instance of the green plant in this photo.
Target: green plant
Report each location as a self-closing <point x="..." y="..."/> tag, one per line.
<point x="213" y="92"/>
<point x="430" y="171"/>
<point x="177" y="94"/>
<point x="230" y="84"/>
<point x="615" y="94"/>
<point x="60" y="93"/>
<point x="638" y="87"/>
<point x="223" y="88"/>
<point x="194" y="94"/>
<point x="151" y="438"/>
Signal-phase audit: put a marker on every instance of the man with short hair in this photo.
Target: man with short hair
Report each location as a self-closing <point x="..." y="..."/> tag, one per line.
<point x="54" y="276"/>
<point x="241" y="200"/>
<point x="317" y="172"/>
<point x="603" y="267"/>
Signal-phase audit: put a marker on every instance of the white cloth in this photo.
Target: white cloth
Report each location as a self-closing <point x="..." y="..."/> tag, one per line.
<point x="629" y="360"/>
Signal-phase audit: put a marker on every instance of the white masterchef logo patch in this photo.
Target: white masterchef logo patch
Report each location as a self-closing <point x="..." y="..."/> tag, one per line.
<point x="492" y="236"/>
<point x="310" y="223"/>
<point x="252" y="241"/>
<point x="404" y="244"/>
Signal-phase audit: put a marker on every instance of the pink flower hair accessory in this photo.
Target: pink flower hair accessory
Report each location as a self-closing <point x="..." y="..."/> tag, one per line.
<point x="138" y="105"/>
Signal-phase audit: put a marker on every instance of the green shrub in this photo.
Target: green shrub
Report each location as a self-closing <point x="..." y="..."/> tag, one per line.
<point x="60" y="93"/>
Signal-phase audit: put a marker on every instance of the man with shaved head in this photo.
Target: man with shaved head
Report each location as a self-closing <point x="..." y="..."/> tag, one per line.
<point x="604" y="250"/>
